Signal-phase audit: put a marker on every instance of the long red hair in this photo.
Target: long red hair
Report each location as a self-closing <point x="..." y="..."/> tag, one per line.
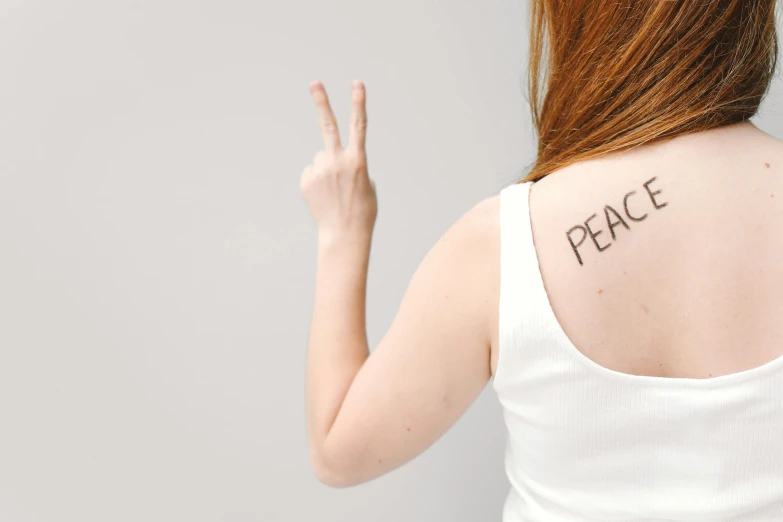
<point x="610" y="75"/>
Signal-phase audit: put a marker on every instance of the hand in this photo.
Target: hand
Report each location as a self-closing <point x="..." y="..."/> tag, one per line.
<point x="336" y="187"/>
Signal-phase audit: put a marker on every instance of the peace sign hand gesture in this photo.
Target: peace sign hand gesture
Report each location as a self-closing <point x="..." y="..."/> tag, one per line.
<point x="336" y="187"/>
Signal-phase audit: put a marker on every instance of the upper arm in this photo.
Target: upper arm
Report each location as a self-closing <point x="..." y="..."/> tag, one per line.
<point x="431" y="364"/>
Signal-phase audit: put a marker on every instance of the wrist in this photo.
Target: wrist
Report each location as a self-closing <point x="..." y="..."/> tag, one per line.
<point x="344" y="238"/>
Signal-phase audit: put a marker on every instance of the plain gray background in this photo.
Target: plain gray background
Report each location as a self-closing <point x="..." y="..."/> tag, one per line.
<point x="157" y="261"/>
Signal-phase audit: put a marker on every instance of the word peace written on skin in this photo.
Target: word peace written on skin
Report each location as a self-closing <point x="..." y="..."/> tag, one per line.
<point x="613" y="220"/>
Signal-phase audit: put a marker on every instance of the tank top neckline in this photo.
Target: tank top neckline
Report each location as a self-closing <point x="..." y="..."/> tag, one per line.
<point x="652" y="380"/>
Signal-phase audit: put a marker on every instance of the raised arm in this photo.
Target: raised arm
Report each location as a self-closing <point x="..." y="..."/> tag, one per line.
<point x="428" y="368"/>
<point x="367" y="414"/>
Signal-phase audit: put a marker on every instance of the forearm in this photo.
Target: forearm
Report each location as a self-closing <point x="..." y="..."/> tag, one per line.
<point x="337" y="344"/>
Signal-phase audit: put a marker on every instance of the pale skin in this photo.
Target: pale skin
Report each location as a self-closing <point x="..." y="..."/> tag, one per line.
<point x="371" y="412"/>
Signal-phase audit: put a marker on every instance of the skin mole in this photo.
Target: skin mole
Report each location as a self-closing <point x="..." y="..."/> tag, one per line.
<point x="612" y="221"/>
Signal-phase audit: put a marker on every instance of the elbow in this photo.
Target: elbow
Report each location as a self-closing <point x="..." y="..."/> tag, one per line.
<point x="327" y="477"/>
<point x="328" y="474"/>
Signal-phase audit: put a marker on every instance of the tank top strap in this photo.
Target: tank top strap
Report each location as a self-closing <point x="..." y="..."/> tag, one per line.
<point x="520" y="272"/>
<point x="526" y="319"/>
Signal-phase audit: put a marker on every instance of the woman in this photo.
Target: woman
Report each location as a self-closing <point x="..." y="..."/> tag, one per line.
<point x="625" y="296"/>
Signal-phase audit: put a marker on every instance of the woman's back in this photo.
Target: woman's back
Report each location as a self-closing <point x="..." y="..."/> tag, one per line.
<point x="691" y="284"/>
<point x="639" y="358"/>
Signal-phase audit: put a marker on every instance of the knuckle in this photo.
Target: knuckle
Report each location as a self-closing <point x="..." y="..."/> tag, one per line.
<point x="320" y="157"/>
<point x="357" y="159"/>
<point x="326" y="171"/>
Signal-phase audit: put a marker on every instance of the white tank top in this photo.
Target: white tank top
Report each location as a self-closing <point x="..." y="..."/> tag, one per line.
<point x="588" y="443"/>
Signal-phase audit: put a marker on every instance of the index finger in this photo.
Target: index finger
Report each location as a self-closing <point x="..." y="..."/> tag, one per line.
<point x="358" y="116"/>
<point x="328" y="122"/>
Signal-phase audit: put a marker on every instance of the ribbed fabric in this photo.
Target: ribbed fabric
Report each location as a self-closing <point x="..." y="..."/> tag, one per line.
<point x="586" y="443"/>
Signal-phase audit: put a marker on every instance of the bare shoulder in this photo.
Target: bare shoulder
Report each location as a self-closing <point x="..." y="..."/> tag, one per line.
<point x="483" y="218"/>
<point x="478" y="234"/>
<point x="472" y="247"/>
<point x="476" y="239"/>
